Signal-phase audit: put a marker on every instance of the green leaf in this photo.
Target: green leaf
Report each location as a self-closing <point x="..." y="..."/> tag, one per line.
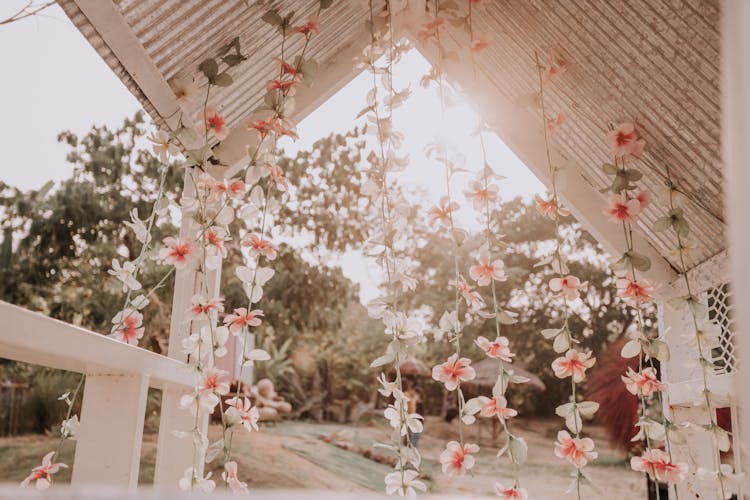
<point x="234" y="44"/>
<point x="610" y="169"/>
<point x="223" y="79"/>
<point x="633" y="175"/>
<point x="210" y="68"/>
<point x="662" y="224"/>
<point x="639" y="261"/>
<point x="233" y="59"/>
<point x="273" y="18"/>
<point x="681" y="227"/>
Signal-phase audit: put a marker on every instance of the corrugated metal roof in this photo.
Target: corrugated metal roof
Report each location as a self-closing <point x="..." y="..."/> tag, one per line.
<point x="653" y="61"/>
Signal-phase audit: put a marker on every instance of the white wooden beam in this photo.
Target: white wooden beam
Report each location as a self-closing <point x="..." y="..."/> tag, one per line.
<point x="735" y="70"/>
<point x="38" y="339"/>
<point x="108" y="447"/>
<point x="332" y="76"/>
<point x="109" y="23"/>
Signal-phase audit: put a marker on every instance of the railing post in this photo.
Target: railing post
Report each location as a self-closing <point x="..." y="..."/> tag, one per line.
<point x="108" y="449"/>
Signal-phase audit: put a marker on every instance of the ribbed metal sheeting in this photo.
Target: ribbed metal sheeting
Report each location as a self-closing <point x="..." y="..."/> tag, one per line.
<point x="656" y="62"/>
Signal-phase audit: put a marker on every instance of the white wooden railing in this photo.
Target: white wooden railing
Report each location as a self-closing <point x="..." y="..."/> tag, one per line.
<point x="118" y="376"/>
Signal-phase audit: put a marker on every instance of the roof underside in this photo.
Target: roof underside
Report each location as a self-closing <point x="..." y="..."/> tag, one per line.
<point x="656" y="62"/>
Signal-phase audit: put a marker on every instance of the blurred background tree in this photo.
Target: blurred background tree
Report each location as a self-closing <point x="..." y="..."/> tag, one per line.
<point x="58" y="242"/>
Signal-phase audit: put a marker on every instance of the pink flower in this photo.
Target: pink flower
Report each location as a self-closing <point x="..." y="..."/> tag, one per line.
<point x="481" y="194"/>
<point x="552" y="67"/>
<point x="433" y="76"/>
<point x="644" y="383"/>
<point x="621" y="209"/>
<point x="244" y="411"/>
<point x="577" y="451"/>
<point x="644" y="198"/>
<point x="474" y="301"/>
<point x="259" y="246"/>
<point x="479" y="43"/>
<point x="311" y="26"/>
<point x="554" y="123"/>
<point x="274" y="125"/>
<point x="457" y="459"/>
<point x="200" y="308"/>
<point x="573" y="364"/>
<point x="498" y="348"/>
<point x="511" y="493"/>
<point x="43" y="474"/>
<point x="625" y="143"/>
<point x="486" y="270"/>
<point x="233" y="188"/>
<point x="230" y="477"/>
<point x="441" y="214"/>
<point x="495" y="406"/>
<point x="550" y="208"/>
<point x="633" y="292"/>
<point x="212" y="381"/>
<point x="285" y="86"/>
<point x="453" y="372"/>
<point x="177" y="252"/>
<point x="287" y="69"/>
<point x="214" y="123"/>
<point x="277" y="174"/>
<point x="430" y="29"/>
<point x="128" y="326"/>
<point x="240" y="318"/>
<point x="657" y="464"/>
<point x="568" y="287"/>
<point x="215" y="238"/>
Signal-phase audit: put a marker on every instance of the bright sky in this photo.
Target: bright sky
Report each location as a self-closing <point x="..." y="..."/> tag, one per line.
<point x="54" y="81"/>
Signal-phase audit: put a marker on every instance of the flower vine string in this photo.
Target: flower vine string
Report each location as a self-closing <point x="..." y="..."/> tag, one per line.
<point x="701" y="336"/>
<point x="624" y="207"/>
<point x="405" y="330"/>
<point x="576" y="449"/>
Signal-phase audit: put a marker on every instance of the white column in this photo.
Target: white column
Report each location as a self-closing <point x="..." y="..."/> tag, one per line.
<point x="736" y="148"/>
<point x="174" y="455"/>
<point x="678" y="372"/>
<point x="108" y="449"/>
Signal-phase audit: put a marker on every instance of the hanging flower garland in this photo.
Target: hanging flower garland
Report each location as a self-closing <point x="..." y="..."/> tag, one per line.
<point x="483" y="194"/>
<point x="702" y="337"/>
<point x="623" y="207"/>
<point x="573" y="363"/>
<point x="457" y="458"/>
<point x="386" y="244"/>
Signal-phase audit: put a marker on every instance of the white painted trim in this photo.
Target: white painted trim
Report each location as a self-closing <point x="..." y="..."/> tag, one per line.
<point x="32" y="337"/>
<point x="108" y="446"/>
<point x="735" y="72"/>
<point x="331" y="77"/>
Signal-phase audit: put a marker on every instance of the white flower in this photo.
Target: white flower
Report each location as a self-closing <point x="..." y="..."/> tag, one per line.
<point x="126" y="274"/>
<point x="412" y="421"/>
<point x="401" y="326"/>
<point x="69" y="427"/>
<point x="162" y="147"/>
<point x="138" y="227"/>
<point x="185" y="90"/>
<point x="404" y="483"/>
<point x="190" y="480"/>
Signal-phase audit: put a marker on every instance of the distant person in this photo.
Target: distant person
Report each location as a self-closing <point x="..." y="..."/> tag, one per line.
<point x="413" y="405"/>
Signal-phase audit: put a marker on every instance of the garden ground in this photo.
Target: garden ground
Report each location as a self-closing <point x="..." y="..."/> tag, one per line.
<point x="292" y="455"/>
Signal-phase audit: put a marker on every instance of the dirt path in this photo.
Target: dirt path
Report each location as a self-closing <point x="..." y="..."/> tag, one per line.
<point x="291" y="456"/>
